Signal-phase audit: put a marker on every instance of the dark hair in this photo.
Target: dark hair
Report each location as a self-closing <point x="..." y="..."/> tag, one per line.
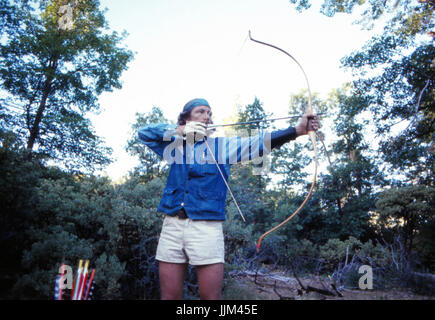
<point x="182" y="118"/>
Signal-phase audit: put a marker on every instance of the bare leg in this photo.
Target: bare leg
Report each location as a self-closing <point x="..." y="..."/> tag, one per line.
<point x="210" y="278"/>
<point x="172" y="280"/>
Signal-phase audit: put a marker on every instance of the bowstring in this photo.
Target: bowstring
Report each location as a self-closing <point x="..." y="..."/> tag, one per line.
<point x="225" y="181"/>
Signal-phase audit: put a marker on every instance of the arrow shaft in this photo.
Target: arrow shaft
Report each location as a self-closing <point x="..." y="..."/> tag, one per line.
<point x="254" y="121"/>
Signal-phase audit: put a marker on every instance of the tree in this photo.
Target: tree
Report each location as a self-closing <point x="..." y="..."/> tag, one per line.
<point x="52" y="73"/>
<point x="402" y="96"/>
<point x="251" y="112"/>
<point x="410" y="17"/>
<point x="290" y="159"/>
<point x="406" y="210"/>
<point x="17" y="200"/>
<point x="354" y="174"/>
<point x="394" y="75"/>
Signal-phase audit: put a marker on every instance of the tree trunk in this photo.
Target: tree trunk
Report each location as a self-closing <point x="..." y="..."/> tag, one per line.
<point x="34" y="131"/>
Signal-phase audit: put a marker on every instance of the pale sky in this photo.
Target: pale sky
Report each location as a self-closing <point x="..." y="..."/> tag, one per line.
<point x="198" y="48"/>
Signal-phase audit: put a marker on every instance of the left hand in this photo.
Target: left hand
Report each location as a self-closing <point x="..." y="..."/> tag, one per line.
<point x="309" y="122"/>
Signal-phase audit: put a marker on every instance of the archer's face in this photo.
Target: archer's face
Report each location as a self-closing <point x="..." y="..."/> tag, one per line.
<point x="201" y="114"/>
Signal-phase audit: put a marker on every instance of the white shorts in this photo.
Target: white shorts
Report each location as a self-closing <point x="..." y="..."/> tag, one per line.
<point x="191" y="241"/>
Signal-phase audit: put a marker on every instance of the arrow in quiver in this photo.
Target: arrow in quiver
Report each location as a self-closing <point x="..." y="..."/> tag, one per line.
<point x="82" y="286"/>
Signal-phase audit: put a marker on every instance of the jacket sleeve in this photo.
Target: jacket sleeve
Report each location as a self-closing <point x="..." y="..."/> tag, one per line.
<point x="241" y="149"/>
<point x="279" y="137"/>
<point x="157" y="136"/>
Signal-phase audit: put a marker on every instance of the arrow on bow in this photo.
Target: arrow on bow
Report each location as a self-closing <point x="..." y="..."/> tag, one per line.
<point x="213" y="126"/>
<point x="312" y="134"/>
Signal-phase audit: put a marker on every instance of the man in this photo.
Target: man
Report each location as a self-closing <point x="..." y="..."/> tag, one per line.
<point x="195" y="193"/>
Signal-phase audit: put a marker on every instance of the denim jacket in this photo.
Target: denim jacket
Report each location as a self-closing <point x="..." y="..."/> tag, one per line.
<point x="194" y="182"/>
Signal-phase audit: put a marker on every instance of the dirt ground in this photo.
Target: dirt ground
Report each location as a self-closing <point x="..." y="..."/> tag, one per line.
<point x="279" y="287"/>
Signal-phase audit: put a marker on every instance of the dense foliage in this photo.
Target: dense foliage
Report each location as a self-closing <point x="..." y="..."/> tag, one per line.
<point x="51" y="78"/>
<point x="373" y="203"/>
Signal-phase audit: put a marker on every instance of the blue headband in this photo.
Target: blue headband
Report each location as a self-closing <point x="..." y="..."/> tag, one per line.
<point x="195" y="103"/>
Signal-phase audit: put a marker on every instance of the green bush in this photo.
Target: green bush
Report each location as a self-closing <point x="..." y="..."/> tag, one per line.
<point x="335" y="252"/>
<point x="81" y="217"/>
<point x="303" y="256"/>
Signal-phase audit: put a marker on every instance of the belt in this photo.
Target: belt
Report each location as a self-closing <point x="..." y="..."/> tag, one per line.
<point x="180" y="214"/>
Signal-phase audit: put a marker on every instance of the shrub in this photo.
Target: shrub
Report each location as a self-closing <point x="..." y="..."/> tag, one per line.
<point x="336" y="251"/>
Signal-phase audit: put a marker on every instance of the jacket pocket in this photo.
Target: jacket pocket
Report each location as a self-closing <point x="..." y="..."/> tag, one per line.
<point x="212" y="201"/>
<point x="169" y="197"/>
<point x="203" y="170"/>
